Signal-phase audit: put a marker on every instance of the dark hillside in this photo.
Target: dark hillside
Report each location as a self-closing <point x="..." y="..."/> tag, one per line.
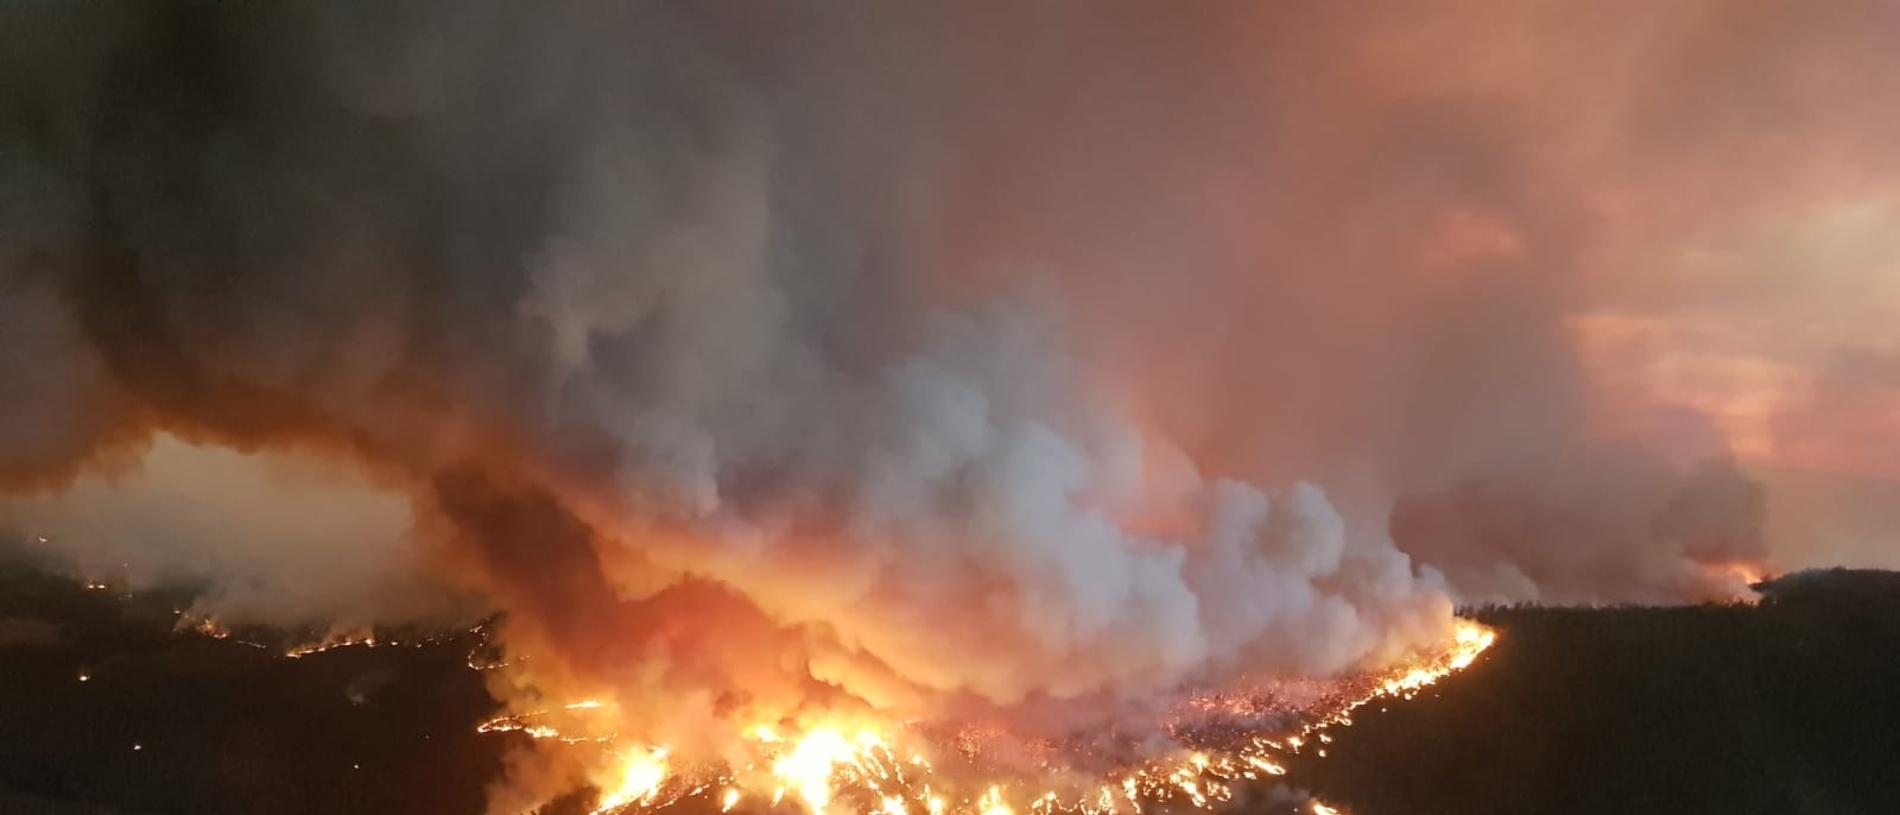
<point x="172" y="722"/>
<point x="1792" y="706"/>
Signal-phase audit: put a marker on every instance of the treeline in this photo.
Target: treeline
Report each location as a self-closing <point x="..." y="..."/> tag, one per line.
<point x="107" y="708"/>
<point x="1789" y="706"/>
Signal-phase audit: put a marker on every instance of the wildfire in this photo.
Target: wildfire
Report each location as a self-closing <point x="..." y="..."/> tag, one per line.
<point x="810" y="767"/>
<point x="643" y="770"/>
<point x="333" y="643"/>
<point x="859" y="768"/>
<point x="1741" y="577"/>
<point x="209" y="627"/>
<point x="370" y="639"/>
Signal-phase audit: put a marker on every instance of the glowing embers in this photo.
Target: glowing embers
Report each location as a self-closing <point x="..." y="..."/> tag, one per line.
<point x="534" y="724"/>
<point x="290" y="645"/>
<point x="865" y="767"/>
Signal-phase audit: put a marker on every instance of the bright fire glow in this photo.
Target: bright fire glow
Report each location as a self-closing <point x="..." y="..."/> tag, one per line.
<point x="852" y="767"/>
<point x="642" y="772"/>
<point x="810" y="767"/>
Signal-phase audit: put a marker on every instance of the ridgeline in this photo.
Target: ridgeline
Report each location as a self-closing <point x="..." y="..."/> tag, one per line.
<point x="1791" y="706"/>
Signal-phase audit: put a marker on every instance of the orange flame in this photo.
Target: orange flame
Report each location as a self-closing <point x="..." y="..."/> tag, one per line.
<point x="830" y="773"/>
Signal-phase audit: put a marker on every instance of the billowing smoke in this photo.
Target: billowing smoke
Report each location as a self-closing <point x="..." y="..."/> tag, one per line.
<point x="988" y="357"/>
<point x="1556" y="531"/>
<point x="612" y="296"/>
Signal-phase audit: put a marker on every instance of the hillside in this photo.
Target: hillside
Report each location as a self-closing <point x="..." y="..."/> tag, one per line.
<point x="1785" y="707"/>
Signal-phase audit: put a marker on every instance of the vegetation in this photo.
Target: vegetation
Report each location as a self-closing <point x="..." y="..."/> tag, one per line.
<point x="176" y="722"/>
<point x="1792" y="706"/>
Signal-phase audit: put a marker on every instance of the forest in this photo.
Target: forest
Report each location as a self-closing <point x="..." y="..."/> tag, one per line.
<point x="1786" y="706"/>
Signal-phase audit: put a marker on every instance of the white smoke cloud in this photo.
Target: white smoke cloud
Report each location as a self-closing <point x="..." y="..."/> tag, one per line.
<point x="280" y="539"/>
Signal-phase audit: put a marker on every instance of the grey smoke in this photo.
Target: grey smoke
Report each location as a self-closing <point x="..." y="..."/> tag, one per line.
<point x="1092" y="346"/>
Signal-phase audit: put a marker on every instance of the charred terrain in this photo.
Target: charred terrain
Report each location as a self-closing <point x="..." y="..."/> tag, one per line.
<point x="1784" y="707"/>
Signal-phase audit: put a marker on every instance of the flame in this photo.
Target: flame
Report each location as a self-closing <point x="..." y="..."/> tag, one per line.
<point x="1741" y="576"/>
<point x="210" y="628"/>
<point x="643" y="770"/>
<point x="1748" y="573"/>
<point x="808" y="768"/>
<point x="843" y="765"/>
<point x="992" y="803"/>
<point x="333" y="643"/>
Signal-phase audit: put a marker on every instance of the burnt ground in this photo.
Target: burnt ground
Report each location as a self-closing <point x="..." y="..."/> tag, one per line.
<point x="1792" y="706"/>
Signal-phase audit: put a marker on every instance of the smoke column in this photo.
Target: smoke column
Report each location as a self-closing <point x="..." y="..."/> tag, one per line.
<point x="1036" y="359"/>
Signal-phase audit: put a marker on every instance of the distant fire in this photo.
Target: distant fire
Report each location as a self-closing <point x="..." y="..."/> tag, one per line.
<point x="1748" y="573"/>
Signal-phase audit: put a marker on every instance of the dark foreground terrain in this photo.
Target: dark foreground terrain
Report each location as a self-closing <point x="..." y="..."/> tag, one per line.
<point x="1789" y="707"/>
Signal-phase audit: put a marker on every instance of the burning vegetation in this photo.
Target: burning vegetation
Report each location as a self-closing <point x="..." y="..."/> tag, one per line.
<point x="1767" y="707"/>
<point x="1214" y="741"/>
<point x="1216" y="745"/>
